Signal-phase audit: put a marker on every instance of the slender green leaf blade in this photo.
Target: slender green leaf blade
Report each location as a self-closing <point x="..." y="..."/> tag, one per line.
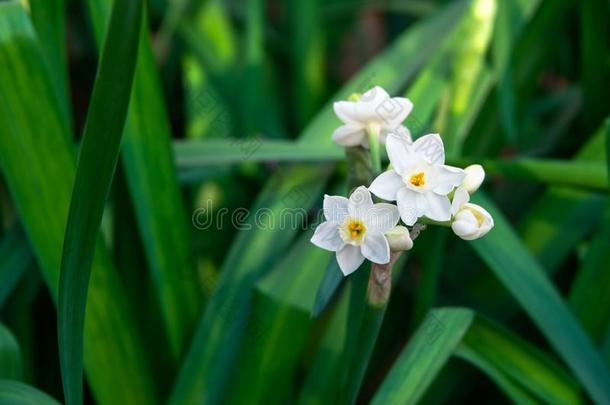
<point x="147" y="159"/>
<point x="425" y="355"/>
<point x="15" y="257"/>
<point x="48" y="17"/>
<point x="10" y="355"/>
<point x="525" y="373"/>
<point x="523" y="363"/>
<point x="96" y="165"/>
<point x="35" y="141"/>
<point x="514" y="266"/>
<point x="280" y="314"/>
<point x="16" y="393"/>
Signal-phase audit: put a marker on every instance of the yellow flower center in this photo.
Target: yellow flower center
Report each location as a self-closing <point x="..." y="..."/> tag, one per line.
<point x="356" y="229"/>
<point x="352" y="231"/>
<point x="418" y="179"/>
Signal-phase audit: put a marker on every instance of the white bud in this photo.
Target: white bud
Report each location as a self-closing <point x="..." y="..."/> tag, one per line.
<point x="471" y="222"/>
<point x="399" y="239"/>
<point x="474" y="178"/>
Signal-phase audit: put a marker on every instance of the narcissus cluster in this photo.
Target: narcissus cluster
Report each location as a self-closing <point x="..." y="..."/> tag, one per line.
<point x="425" y="189"/>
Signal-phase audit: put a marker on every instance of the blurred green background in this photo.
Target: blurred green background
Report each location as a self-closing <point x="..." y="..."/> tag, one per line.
<point x="231" y="109"/>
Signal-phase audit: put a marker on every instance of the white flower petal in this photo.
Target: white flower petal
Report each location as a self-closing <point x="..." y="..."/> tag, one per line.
<point x="400" y="153"/>
<point x="439" y="207"/>
<point x="349" y="135"/>
<point x="359" y="202"/>
<point x="475" y="174"/>
<point x="399" y="239"/>
<point x="446" y="178"/>
<point x="326" y="236"/>
<point x="376" y="247"/>
<point x="430" y="147"/>
<point x="335" y="208"/>
<point x="346" y="111"/>
<point x="386" y="185"/>
<point x="349" y="259"/>
<point x="381" y="218"/>
<point x="466" y="230"/>
<point x="401" y="131"/>
<point x="421" y="204"/>
<point x="460" y="197"/>
<point x="406" y="202"/>
<point x="488" y="221"/>
<point x="391" y="112"/>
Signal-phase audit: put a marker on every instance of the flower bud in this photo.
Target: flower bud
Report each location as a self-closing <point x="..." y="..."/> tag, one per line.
<point x="474" y="178"/>
<point x="354" y="97"/>
<point x="471" y="222"/>
<point x="399" y="239"/>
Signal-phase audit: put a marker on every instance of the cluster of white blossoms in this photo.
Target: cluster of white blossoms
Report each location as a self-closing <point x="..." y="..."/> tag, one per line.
<point x="424" y="188"/>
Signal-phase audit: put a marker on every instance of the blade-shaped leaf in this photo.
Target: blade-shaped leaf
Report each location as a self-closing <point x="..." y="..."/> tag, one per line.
<point x="427" y="352"/>
<point x="147" y="160"/>
<point x="16" y="393"/>
<point x="15" y="258"/>
<point x="96" y="164"/>
<point x="280" y="313"/>
<point x="523" y="371"/>
<point x="48" y="17"/>
<point x="10" y="355"/>
<point x="514" y="266"/>
<point x="35" y="141"/>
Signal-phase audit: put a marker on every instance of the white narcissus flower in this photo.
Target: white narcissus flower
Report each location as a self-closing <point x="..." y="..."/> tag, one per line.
<point x="475" y="174"/>
<point x="470" y="221"/>
<point x="419" y="180"/>
<point x="375" y="111"/>
<point x="355" y="229"/>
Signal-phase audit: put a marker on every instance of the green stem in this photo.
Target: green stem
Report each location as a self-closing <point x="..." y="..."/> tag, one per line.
<point x="374" y="148"/>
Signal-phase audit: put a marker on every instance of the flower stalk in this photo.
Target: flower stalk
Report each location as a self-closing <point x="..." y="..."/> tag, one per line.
<point x="380" y="282"/>
<point x="373" y="136"/>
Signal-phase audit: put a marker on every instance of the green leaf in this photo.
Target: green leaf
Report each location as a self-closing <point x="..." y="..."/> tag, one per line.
<point x="16" y="393"/>
<point x="468" y="67"/>
<point x="526" y="374"/>
<point x="209" y="361"/>
<point x="514" y="266"/>
<point x="320" y="385"/>
<point x="10" y="355"/>
<point x="333" y="278"/>
<point x="594" y="47"/>
<point x="527" y="366"/>
<point x="96" y="164"/>
<point x="512" y="16"/>
<point x="427" y="352"/>
<point x="556" y="222"/>
<point x="48" y="17"/>
<point x="307" y="57"/>
<point x="195" y="154"/>
<point x="515" y="392"/>
<point x="364" y="324"/>
<point x="15" y="258"/>
<point x="198" y="154"/>
<point x="280" y="313"/>
<point x="558" y="172"/>
<point x="35" y="141"/>
<point x="146" y="157"/>
<point x="590" y="293"/>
